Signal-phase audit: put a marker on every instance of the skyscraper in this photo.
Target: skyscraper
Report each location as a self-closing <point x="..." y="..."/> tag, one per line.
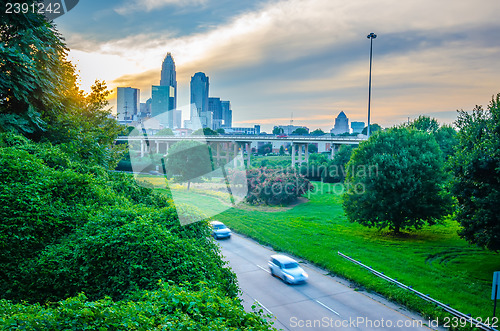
<point x="199" y="101"/>
<point x="128" y="103"/>
<point x="227" y="114"/>
<point x="168" y="76"/>
<point x="341" y="124"/>
<point x="357" y="127"/>
<point x="215" y="107"/>
<point x="162" y="104"/>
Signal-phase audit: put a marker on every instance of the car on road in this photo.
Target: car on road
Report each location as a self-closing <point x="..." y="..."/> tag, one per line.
<point x="287" y="269"/>
<point x="220" y="230"/>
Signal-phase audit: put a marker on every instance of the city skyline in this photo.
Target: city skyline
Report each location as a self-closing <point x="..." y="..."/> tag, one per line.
<point x="272" y="58"/>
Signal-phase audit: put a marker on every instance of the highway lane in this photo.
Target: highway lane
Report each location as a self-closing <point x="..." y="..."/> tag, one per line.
<point x="323" y="303"/>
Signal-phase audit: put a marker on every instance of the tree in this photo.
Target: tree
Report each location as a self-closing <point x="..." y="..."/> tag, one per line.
<point x="312" y="148"/>
<point x="476" y="166"/>
<point x="220" y="131"/>
<point x="301" y="131"/>
<point x="446" y="136"/>
<point x="188" y="159"/>
<point x="317" y="132"/>
<point x="265" y="148"/>
<point x="282" y="150"/>
<point x="336" y="169"/>
<point x="205" y="132"/>
<point x="39" y="97"/>
<point x="277" y="130"/>
<point x="396" y="180"/>
<point x="447" y="139"/>
<point x="373" y="128"/>
<point x="165" y="132"/>
<point x="425" y="123"/>
<point x="34" y="73"/>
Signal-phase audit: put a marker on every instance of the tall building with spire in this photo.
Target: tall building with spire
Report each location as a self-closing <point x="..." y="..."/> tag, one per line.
<point x="168" y="75"/>
<point x="164" y="96"/>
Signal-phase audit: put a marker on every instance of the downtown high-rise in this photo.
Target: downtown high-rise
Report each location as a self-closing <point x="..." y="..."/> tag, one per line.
<point x="168" y="75"/>
<point x="201" y="116"/>
<point x="164" y="96"/>
<point x="128" y="103"/>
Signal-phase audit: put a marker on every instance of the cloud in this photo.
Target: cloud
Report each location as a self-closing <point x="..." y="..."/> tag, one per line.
<point x="149" y="5"/>
<point x="312" y="55"/>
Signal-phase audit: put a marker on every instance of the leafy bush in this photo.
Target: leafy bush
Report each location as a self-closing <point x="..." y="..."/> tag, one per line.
<point x="69" y="227"/>
<point x="167" y="307"/>
<point x="121" y="251"/>
<point x="275" y="187"/>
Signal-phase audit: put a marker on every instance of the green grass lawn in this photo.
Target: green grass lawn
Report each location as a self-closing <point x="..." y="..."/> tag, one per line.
<point x="433" y="260"/>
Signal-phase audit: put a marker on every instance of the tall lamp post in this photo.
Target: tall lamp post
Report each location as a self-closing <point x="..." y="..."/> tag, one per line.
<point x="371" y="36"/>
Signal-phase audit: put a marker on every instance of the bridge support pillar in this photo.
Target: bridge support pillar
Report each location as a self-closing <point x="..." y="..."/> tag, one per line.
<point x="235" y="153"/>
<point x="306" y="153"/>
<point x="218" y="153"/>
<point x="249" y="151"/>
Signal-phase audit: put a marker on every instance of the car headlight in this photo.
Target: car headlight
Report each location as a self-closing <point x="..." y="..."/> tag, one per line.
<point x="289" y="276"/>
<point x="305" y="274"/>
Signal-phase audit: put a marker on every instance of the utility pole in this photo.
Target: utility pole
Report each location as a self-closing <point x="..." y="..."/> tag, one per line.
<point x="371" y="36"/>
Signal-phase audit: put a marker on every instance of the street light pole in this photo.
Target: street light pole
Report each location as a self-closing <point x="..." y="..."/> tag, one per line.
<point x="371" y="36"/>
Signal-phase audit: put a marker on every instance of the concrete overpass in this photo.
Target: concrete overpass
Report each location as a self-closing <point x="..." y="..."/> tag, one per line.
<point x="241" y="143"/>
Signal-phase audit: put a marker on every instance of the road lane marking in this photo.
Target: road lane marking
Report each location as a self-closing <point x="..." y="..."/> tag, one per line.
<point x="330" y="309"/>
<point x="263" y="269"/>
<point x="260" y="304"/>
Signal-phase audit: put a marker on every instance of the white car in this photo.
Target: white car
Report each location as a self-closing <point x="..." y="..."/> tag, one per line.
<point x="219" y="230"/>
<point x="287" y="269"/>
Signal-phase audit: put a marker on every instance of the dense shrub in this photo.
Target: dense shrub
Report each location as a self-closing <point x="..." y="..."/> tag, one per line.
<point x="120" y="251"/>
<point x="275" y="187"/>
<point x="168" y="307"/>
<point x="69" y="227"/>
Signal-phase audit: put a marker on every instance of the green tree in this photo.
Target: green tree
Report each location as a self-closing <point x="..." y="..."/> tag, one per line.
<point x="165" y="132"/>
<point x="205" y="132"/>
<point x="373" y="128"/>
<point x="282" y="150"/>
<point x="336" y="169"/>
<point x="446" y="136"/>
<point x="476" y="166"/>
<point x="220" y="131"/>
<point x="265" y="149"/>
<point x="317" y="132"/>
<point x="447" y="139"/>
<point x="396" y="180"/>
<point x="188" y="160"/>
<point x="301" y="131"/>
<point x="425" y="123"/>
<point x="34" y="74"/>
<point x="312" y="148"/>
<point x="277" y="130"/>
<point x="39" y="97"/>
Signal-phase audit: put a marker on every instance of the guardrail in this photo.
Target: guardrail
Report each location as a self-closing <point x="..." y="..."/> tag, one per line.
<point x="463" y="317"/>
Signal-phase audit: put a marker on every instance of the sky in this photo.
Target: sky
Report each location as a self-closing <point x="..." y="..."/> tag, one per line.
<point x="305" y="60"/>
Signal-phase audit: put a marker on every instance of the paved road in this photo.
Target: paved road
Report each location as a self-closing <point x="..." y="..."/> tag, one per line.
<point x="323" y="303"/>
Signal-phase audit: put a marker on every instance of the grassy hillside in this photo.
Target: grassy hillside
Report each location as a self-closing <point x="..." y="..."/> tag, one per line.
<point x="434" y="260"/>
